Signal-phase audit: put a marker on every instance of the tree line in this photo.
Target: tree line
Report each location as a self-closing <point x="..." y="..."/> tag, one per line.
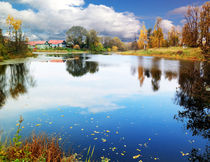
<point x="195" y="33"/>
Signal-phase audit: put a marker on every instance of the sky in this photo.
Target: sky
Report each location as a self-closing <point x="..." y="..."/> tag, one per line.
<point x="50" y="19"/>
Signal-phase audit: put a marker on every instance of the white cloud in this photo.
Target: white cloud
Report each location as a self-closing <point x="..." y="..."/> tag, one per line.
<point x="179" y="11"/>
<point x="166" y="25"/>
<point x="53" y="18"/>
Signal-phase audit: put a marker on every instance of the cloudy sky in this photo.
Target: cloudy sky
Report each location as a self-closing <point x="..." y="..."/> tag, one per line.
<point x="50" y="19"/>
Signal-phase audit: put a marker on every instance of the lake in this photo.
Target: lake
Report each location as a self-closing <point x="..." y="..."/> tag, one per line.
<point x="127" y="108"/>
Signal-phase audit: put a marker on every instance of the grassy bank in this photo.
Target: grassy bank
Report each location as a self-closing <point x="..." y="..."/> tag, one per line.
<point x="13" y="56"/>
<point x="194" y="54"/>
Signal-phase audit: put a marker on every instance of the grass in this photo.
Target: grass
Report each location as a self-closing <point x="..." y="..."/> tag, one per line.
<point x="171" y="52"/>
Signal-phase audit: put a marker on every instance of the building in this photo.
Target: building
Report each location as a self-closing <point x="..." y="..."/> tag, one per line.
<point x="39" y="44"/>
<point x="57" y="43"/>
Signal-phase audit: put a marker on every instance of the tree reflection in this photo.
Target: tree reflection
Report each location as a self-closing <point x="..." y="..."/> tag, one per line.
<point x="196" y="156"/>
<point x="194" y="96"/>
<point x="170" y="75"/>
<point x="156" y="74"/>
<point x="79" y="67"/>
<point x="14" y="81"/>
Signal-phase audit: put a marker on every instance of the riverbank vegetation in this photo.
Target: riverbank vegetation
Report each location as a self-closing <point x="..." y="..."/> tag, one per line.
<point x="171" y="52"/>
<point x="14" y="45"/>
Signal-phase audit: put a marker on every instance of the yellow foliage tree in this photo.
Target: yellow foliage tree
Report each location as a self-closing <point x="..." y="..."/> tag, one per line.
<point x="142" y="42"/>
<point x="157" y="38"/>
<point x="114" y="48"/>
<point x="17" y="43"/>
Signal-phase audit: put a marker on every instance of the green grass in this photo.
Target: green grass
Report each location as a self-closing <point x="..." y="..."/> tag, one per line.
<point x="171" y="52"/>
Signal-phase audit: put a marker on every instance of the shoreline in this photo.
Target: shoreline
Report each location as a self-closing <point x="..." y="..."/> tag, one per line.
<point x="177" y="53"/>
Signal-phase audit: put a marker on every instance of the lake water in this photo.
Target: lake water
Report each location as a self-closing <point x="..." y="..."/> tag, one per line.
<point x="128" y="108"/>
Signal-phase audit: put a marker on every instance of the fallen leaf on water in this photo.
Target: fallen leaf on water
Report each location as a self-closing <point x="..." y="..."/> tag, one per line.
<point x="137" y="156"/>
<point x="92" y="134"/>
<point x="103" y="139"/>
<point x="149" y="139"/>
<point x="183" y="154"/>
<point x="50" y="122"/>
<point x="37" y="125"/>
<point x="156" y="158"/>
<point x="70" y="127"/>
<point x="138" y="150"/>
<point x="62" y="115"/>
<point x="96" y="132"/>
<point x="107" y="131"/>
<point x="82" y="129"/>
<point x="17" y="124"/>
<point x="95" y="138"/>
<point x="59" y="139"/>
<point x="122" y="154"/>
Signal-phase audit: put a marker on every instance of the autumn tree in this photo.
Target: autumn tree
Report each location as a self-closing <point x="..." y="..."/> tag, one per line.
<point x="142" y="42"/>
<point x="157" y="36"/>
<point x="190" y="32"/>
<point x="204" y="26"/>
<point x="173" y="37"/>
<point x="93" y="42"/>
<point x="17" y="43"/>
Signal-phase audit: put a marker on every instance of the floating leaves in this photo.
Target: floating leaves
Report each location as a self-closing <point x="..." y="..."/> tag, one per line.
<point x="37" y="125"/>
<point x="136" y="156"/>
<point x="103" y="139"/>
<point x="184" y="154"/>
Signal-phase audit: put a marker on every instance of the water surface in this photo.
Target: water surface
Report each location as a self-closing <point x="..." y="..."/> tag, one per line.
<point x="124" y="106"/>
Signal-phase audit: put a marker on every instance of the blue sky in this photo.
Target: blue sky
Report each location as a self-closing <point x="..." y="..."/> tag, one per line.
<point x="49" y="19"/>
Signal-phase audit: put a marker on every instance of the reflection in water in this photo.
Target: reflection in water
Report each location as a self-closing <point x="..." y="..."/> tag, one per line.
<point x="201" y="157"/>
<point x="170" y="75"/>
<point x="14" y="81"/>
<point x="155" y="73"/>
<point x="79" y="67"/>
<point x="194" y="96"/>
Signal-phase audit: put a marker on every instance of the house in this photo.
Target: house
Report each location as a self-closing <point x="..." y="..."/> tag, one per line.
<point x="57" y="43"/>
<point x="39" y="44"/>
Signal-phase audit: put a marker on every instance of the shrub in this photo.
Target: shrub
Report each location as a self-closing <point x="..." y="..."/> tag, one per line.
<point x="77" y="47"/>
<point x="114" y="48"/>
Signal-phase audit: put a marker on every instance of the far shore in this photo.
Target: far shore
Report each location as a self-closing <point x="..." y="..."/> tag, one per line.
<point x="179" y="53"/>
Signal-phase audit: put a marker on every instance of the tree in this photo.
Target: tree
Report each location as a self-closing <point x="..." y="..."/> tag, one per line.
<point x="76" y="35"/>
<point x="204" y="25"/>
<point x="173" y="37"/>
<point x="149" y="33"/>
<point x="93" y="42"/>
<point x="17" y="43"/>
<point x="157" y="36"/>
<point x="190" y="32"/>
<point x="142" y="42"/>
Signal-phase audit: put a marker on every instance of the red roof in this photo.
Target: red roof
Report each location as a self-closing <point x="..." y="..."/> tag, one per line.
<point x="33" y="43"/>
<point x="55" y="41"/>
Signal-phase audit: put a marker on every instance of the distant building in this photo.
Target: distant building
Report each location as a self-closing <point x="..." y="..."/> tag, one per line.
<point x="39" y="44"/>
<point x="57" y="43"/>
